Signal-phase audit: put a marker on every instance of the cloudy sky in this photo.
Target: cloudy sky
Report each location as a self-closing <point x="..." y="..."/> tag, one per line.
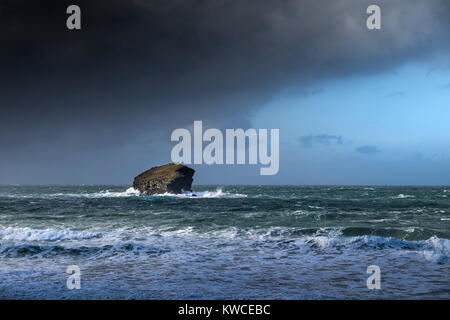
<point x="97" y="105"/>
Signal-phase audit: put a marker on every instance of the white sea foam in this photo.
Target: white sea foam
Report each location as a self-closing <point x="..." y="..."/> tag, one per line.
<point x="203" y="194"/>
<point x="27" y="234"/>
<point x="380" y="220"/>
<point x="117" y="250"/>
<point x="437" y="250"/>
<point x="301" y="212"/>
<point x="131" y="192"/>
<point x="315" y="207"/>
<point x="434" y="249"/>
<point x="144" y="241"/>
<point x="403" y="196"/>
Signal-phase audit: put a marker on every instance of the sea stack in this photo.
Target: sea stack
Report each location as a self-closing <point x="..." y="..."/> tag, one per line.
<point x="169" y="178"/>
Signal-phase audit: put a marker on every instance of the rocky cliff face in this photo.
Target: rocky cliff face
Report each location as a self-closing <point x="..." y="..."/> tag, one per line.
<point x="169" y="178"/>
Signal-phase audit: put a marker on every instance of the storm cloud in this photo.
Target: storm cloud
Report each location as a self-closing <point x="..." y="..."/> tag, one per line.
<point x="139" y="69"/>
<point x="320" y="139"/>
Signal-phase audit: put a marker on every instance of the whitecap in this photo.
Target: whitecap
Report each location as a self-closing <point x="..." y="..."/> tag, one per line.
<point x="130" y="192"/>
<point x="301" y="212"/>
<point x="403" y="196"/>
<point x="437" y="250"/>
<point x="202" y="194"/>
<point x="315" y="207"/>
<point x="27" y="234"/>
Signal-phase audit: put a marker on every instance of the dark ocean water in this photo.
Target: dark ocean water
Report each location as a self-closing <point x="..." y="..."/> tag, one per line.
<point x="233" y="242"/>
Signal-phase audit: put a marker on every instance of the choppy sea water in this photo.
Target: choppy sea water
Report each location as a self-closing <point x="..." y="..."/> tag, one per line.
<point x="232" y="242"/>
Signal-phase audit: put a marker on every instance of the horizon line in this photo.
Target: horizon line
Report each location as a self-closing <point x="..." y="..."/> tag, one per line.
<point x="230" y="185"/>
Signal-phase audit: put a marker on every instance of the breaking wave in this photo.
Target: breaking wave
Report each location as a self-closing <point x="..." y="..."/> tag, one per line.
<point x="203" y="194"/>
<point x="27" y="234"/>
<point x="20" y="242"/>
<point x="131" y="192"/>
<point x="92" y="252"/>
<point x="403" y="196"/>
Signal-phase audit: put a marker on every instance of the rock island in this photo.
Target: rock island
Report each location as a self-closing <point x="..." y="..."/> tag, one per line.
<point x="170" y="178"/>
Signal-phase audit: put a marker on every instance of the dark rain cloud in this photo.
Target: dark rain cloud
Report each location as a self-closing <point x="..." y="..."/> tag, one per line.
<point x="139" y="69"/>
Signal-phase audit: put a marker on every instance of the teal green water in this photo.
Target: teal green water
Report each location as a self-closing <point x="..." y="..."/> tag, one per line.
<point x="232" y="242"/>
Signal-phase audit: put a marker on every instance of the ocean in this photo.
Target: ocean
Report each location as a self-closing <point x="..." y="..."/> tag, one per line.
<point x="225" y="242"/>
